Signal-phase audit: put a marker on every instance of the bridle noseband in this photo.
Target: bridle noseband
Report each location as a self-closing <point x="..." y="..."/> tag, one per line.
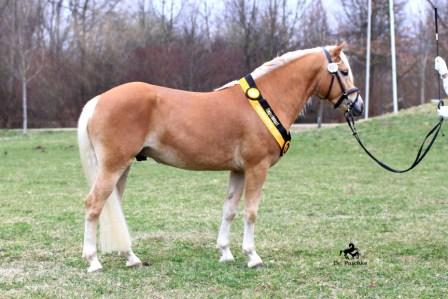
<point x="335" y="73"/>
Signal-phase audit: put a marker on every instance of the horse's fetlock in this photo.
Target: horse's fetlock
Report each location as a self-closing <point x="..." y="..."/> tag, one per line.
<point x="248" y="249"/>
<point x="222" y="243"/>
<point x="89" y="253"/>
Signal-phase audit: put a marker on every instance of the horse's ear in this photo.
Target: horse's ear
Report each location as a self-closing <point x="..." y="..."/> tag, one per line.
<point x="341" y="44"/>
<point x="338" y="49"/>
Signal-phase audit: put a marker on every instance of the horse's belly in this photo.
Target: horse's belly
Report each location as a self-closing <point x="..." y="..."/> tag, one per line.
<point x="192" y="157"/>
<point x="176" y="159"/>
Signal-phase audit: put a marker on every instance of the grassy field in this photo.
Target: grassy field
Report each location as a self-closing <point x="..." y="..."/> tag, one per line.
<point x="324" y="194"/>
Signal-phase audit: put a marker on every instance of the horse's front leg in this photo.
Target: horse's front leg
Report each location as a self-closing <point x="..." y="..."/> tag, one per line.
<point x="254" y="180"/>
<point x="236" y="185"/>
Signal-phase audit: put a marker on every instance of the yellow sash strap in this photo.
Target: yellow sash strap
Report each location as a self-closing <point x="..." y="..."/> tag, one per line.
<point x="266" y="114"/>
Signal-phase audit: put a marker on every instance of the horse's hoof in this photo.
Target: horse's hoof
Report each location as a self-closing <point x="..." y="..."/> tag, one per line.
<point x="226" y="256"/>
<point x="258" y="266"/>
<point x="226" y="259"/>
<point x="134" y="264"/>
<point x="254" y="259"/>
<point x="255" y="263"/>
<point x="133" y="261"/>
<point x="94" y="265"/>
<point x="94" y="268"/>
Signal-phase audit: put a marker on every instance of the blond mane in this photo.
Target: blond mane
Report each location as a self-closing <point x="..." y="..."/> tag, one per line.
<point x="280" y="61"/>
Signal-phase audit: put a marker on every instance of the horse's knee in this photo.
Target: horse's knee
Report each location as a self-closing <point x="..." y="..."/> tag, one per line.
<point x="230" y="215"/>
<point x="250" y="214"/>
<point x="229" y="212"/>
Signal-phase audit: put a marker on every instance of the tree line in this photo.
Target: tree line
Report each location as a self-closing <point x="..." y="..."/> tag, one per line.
<point x="57" y="54"/>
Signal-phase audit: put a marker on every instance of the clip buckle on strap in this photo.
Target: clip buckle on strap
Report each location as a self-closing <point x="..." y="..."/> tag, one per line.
<point x="266" y="113"/>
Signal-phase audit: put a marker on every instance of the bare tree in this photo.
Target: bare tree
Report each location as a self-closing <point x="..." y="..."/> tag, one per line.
<point x="424" y="48"/>
<point x="191" y="42"/>
<point x="54" y="25"/>
<point x="243" y="28"/>
<point x="26" y="42"/>
<point x="87" y="17"/>
<point x="279" y="24"/>
<point x="167" y="12"/>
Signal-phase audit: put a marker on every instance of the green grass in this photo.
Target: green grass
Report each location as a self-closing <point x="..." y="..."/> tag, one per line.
<point x="323" y="194"/>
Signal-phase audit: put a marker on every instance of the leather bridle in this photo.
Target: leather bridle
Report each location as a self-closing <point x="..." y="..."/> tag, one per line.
<point x="333" y="69"/>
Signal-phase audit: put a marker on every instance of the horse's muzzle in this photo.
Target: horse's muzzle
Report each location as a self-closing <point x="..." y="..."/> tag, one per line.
<point x="357" y="107"/>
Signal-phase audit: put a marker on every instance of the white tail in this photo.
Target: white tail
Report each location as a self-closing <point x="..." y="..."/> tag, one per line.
<point x="114" y="234"/>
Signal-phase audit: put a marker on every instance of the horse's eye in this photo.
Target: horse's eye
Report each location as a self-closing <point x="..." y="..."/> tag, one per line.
<point x="344" y="72"/>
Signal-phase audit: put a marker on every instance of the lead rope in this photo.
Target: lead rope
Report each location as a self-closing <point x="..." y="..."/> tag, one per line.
<point x="434" y="132"/>
<point x="420" y="154"/>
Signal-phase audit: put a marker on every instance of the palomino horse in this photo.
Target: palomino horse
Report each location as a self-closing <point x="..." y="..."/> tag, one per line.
<point x="216" y="130"/>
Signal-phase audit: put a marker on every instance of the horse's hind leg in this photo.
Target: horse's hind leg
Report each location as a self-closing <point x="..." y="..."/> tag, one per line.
<point x="132" y="259"/>
<point x="121" y="185"/>
<point x="236" y="184"/>
<point x="94" y="202"/>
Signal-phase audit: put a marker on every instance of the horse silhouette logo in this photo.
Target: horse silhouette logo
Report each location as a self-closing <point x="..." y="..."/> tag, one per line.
<point x="350" y="251"/>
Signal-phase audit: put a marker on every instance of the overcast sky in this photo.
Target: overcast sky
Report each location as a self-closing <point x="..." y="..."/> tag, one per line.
<point x="415" y="7"/>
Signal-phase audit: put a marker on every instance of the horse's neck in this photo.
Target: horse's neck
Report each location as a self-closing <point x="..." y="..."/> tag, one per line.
<point x="288" y="87"/>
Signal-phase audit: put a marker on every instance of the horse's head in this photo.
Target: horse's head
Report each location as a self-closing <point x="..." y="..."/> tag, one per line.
<point x="336" y="83"/>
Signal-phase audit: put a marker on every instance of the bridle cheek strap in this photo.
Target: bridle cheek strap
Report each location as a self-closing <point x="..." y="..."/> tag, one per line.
<point x="345" y="93"/>
<point x="330" y="88"/>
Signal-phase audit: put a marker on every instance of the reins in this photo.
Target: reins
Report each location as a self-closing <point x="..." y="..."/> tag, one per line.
<point x="425" y="146"/>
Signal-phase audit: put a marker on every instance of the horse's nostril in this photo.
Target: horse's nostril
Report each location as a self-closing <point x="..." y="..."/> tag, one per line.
<point x="357" y="110"/>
